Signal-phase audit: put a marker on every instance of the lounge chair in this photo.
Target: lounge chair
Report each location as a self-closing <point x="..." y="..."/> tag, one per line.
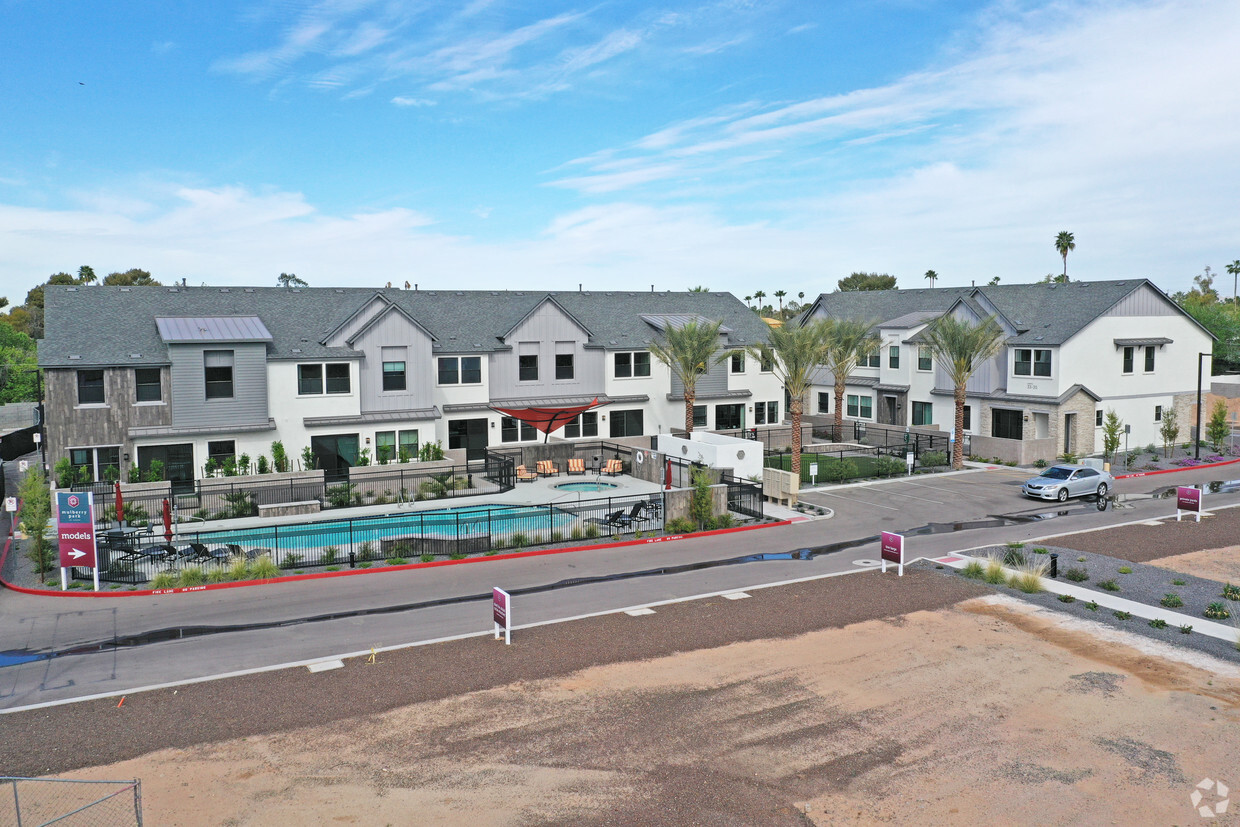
<point x="576" y="465"/>
<point x="525" y="475"/>
<point x="614" y="467"/>
<point x="547" y="468"/>
<point x="619" y="519"/>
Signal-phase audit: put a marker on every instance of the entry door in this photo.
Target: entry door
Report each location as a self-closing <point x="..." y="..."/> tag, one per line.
<point x="729" y="417"/>
<point x="470" y="434"/>
<point x="335" y="454"/>
<point x="1069" y="435"/>
<point x="891" y="409"/>
<point x="178" y="463"/>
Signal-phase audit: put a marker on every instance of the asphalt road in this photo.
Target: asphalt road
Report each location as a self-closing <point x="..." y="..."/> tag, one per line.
<point x="264" y="626"/>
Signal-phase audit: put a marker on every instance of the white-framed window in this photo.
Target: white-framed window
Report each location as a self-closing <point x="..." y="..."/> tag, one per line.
<point x="923" y="413"/>
<point x="514" y="430"/>
<point x="1031" y="362"/>
<point x="90" y="387"/>
<point x="583" y="424"/>
<point x="824" y="402"/>
<point x="1158" y="413"/>
<point x="738" y="363"/>
<point x="632" y="365"/>
<point x="860" y="407"/>
<point x="925" y="360"/>
<point x="893" y="357"/>
<point x="460" y="370"/>
<point x="217" y="373"/>
<point x="1149" y="358"/>
<point x="766" y="413"/>
<point x="1129" y="354"/>
<point x="310" y="378"/>
<point x="1098" y="418"/>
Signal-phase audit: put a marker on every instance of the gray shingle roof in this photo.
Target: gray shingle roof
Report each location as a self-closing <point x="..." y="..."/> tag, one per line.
<point x="1047" y="314"/>
<point x="112" y="325"/>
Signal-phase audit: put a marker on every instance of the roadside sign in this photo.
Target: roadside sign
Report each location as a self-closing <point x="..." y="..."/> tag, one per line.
<point x="501" y="614"/>
<point x="10" y="504"/>
<point x="908" y="460"/>
<point x="75" y="530"/>
<point x="1187" y="499"/>
<point x="891" y="549"/>
<point x="813" y="473"/>
<point x="38" y="437"/>
<point x="23" y="465"/>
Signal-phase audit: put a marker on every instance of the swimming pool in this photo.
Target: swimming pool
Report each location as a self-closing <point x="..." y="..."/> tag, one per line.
<point x="586" y="486"/>
<point x="444" y="523"/>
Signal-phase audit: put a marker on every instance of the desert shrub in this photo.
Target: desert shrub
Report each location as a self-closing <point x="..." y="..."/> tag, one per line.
<point x="1217" y="611"/>
<point x="577" y="533"/>
<point x="1171" y="601"/>
<point x="332" y="568"/>
<point x="264" y="568"/>
<point x="1122" y="615"/>
<point x="397" y="561"/>
<point x="1076" y="575"/>
<point x="1231" y="592"/>
<point x="1029" y="578"/>
<point x="933" y="459"/>
<point x="1158" y="623"/>
<point x="427" y="558"/>
<point x="1014" y="557"/>
<point x="1092" y="605"/>
<point x="994" y="570"/>
<point x="191" y="576"/>
<point x="520" y="540"/>
<point x="237" y="569"/>
<point x="1186" y="629"/>
<point x="291" y="560"/>
<point x="365" y="565"/>
<point x="591" y="531"/>
<point x="164" y="580"/>
<point x="1178" y="582"/>
<point x="680" y="525"/>
<point x="973" y="570"/>
<point x="1125" y="569"/>
<point x="366" y="552"/>
<point x="1109" y="585"/>
<point x="217" y="575"/>
<point x="1040" y="550"/>
<point x="1066" y="598"/>
<point x="456" y="556"/>
<point x="329" y="555"/>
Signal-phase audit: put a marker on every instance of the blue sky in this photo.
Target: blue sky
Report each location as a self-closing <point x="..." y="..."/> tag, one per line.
<point x="737" y="144"/>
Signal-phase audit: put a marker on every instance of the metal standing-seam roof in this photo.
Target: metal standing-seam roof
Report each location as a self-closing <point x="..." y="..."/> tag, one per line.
<point x="212" y="329"/>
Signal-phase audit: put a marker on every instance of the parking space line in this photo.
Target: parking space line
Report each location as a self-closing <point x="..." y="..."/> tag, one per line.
<point x="854" y="499"/>
<point x="886" y="490"/>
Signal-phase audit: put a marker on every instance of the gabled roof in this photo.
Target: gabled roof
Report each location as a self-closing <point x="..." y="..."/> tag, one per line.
<point x="675" y="321"/>
<point x="106" y="325"/>
<point x="375" y="319"/>
<point x="549" y="298"/>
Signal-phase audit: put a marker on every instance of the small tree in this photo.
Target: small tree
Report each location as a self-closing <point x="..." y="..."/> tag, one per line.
<point x="279" y="457"/>
<point x="155" y="472"/>
<point x="291" y="280"/>
<point x="36" y="512"/>
<point x="307" y="458"/>
<point x="701" y="505"/>
<point x="1169" y="430"/>
<point x="1112" y="427"/>
<point x="1217" y="428"/>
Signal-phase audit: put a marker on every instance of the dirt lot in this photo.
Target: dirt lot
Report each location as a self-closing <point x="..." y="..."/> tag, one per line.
<point x="985" y="712"/>
<point x="1221" y="564"/>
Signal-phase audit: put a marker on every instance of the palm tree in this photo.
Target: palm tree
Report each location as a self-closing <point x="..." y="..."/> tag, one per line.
<point x="960" y="347"/>
<point x="689" y="351"/>
<point x="779" y="294"/>
<point x="1234" y="269"/>
<point x="1064" y="243"/>
<point x="699" y="289"/>
<point x="758" y="297"/>
<point x="748" y="299"/>
<point x="933" y="276"/>
<point x="794" y="353"/>
<point x="847" y="341"/>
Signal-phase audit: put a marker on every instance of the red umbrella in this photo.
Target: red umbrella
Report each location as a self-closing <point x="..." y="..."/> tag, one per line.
<point x="667" y="474"/>
<point x="120" y="504"/>
<point x="168" y="520"/>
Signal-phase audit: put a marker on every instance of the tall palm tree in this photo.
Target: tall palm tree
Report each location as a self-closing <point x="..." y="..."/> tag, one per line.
<point x="758" y="296"/>
<point x="847" y="341"/>
<point x="779" y="294"/>
<point x="1234" y="269"/>
<point x="933" y="276"/>
<point x="1064" y="243"/>
<point x="960" y="347"/>
<point x="794" y="353"/>
<point x="748" y="299"/>
<point x="689" y="351"/>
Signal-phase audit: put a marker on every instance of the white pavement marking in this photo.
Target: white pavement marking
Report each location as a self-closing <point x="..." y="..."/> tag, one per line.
<point x="911" y="497"/>
<point x="325" y="665"/>
<point x="735" y="596"/>
<point x="396" y="647"/>
<point x="854" y="499"/>
<point x="645" y="610"/>
<point x="1110" y="601"/>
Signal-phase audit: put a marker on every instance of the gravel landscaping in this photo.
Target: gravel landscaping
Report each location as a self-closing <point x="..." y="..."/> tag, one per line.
<point x="1140" y="583"/>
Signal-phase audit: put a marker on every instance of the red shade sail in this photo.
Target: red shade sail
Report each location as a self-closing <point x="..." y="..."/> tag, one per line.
<point x="548" y="419"/>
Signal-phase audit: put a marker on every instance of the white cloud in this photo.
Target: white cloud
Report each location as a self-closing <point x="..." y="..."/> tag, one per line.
<point x="401" y="100"/>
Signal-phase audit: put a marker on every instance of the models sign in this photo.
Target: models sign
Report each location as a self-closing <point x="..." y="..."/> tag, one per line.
<point x="1187" y="499"/>
<point x="891" y="549"/>
<point x="75" y="526"/>
<point x="501" y="613"/>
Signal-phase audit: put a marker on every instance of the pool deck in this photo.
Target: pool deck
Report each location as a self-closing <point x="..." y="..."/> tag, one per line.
<point x="541" y="491"/>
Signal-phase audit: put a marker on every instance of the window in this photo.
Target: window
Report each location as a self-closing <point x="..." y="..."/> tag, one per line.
<point x="222" y="451"/>
<point x="824" y="403"/>
<point x="968" y="418"/>
<point x="564" y="366"/>
<point x="766" y="365"/>
<point x="632" y="364"/>
<point x="96" y="464"/>
<point x="893" y="357"/>
<point x="146" y="385"/>
<point x="1128" y="359"/>
<point x="923" y="413"/>
<point x="626" y="423"/>
<point x="860" y="407"/>
<point x="1032" y="362"/>
<point x="462" y="370"/>
<point x="584" y="424"/>
<point x="738" y="363"/>
<point x="766" y="413"/>
<point x="870" y="360"/>
<point x="1098" y="419"/>
<point x="728" y="417"/>
<point x="407" y="446"/>
<point x="1158" y="413"/>
<point x="527" y="367"/>
<point x="90" y="387"/>
<point x="1149" y="359"/>
<point x="699" y="416"/>
<point x="514" y="430"/>
<point x="309" y="379"/>
<point x="218" y="373"/>
<point x="338" y="377"/>
<point x="1006" y="424"/>
<point x="393" y="376"/>
<point x="385" y="446"/>
<point x="923" y="358"/>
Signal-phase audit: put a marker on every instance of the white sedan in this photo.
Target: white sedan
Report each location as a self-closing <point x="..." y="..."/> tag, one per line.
<point x="1059" y="482"/>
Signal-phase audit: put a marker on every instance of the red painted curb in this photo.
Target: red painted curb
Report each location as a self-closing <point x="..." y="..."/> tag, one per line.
<point x="1177" y="470"/>
<point x="349" y="572"/>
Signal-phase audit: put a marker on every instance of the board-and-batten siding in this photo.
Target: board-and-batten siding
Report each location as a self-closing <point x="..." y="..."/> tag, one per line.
<point x="1143" y="302"/>
<point x="396" y="331"/>
<point x="190" y="406"/>
<point x="547" y="331"/>
<point x="69" y="426"/>
<point x="715" y="380"/>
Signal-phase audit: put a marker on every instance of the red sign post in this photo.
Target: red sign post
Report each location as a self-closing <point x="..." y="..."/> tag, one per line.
<point x="891" y="549"/>
<point x="75" y="530"/>
<point x="1187" y="499"/>
<point x="501" y="614"/>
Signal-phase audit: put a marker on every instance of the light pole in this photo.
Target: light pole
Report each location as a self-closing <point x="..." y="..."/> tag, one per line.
<point x="1197" y="435"/>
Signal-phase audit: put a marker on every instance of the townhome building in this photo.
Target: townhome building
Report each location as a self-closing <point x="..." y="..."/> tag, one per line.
<point x="184" y="375"/>
<point x="1071" y="352"/>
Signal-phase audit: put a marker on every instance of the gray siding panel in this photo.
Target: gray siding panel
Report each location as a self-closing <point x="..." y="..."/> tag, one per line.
<point x="394" y="330"/>
<point x="190" y="406"/>
<point x="1142" y="302"/>
<point x="542" y="330"/>
<point x="715" y="380"/>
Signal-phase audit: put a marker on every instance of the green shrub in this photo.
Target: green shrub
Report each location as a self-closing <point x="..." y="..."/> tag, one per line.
<point x="1066" y="598"/>
<point x="1040" y="550"/>
<point x="397" y="561"/>
<point x="1158" y="623"/>
<point x="1076" y="575"/>
<point x="1040" y="463"/>
<point x="885" y="466"/>
<point x="520" y="540"/>
<point x="238" y="569"/>
<point x="366" y="552"/>
<point x="1015" y="545"/>
<point x="1080" y="559"/>
<point x="217" y="575"/>
<point x="933" y="459"/>
<point x="994" y="570"/>
<point x="1122" y="615"/>
<point x="1014" y="558"/>
<point x="1125" y="569"/>
<point x="1186" y="629"/>
<point x="341" y="496"/>
<point x="1109" y="585"/>
<point x="1217" y="611"/>
<point x="291" y="560"/>
<point x="723" y="520"/>
<point x="164" y="580"/>
<point x="1178" y="582"/>
<point x="577" y="533"/>
<point x="456" y="556"/>
<point x="329" y="555"/>
<point x="427" y="558"/>
<point x="191" y="576"/>
<point x="591" y="531"/>
<point x="332" y="568"/>
<point x="1092" y="605"/>
<point x="557" y="536"/>
<point x="1171" y="601"/>
<point x="264" y="568"/>
<point x="1231" y="592"/>
<point x="841" y="470"/>
<point x="679" y="525"/>
<point x="973" y="570"/>
<point x="1029" y="578"/>
<point x="365" y="565"/>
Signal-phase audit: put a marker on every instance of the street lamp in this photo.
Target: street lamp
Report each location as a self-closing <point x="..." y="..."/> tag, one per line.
<point x="1197" y="435"/>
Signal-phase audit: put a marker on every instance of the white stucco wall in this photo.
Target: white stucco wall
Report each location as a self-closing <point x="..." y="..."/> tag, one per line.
<point x="743" y="456"/>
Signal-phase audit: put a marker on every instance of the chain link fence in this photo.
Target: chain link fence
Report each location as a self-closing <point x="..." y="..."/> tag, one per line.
<point x="59" y="801"/>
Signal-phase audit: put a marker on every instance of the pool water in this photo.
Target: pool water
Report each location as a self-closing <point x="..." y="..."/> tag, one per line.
<point x="446" y="523"/>
<point x="586" y="486"/>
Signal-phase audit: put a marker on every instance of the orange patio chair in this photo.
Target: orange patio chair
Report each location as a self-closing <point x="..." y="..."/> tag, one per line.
<point x="525" y="475"/>
<point x="577" y="465"/>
